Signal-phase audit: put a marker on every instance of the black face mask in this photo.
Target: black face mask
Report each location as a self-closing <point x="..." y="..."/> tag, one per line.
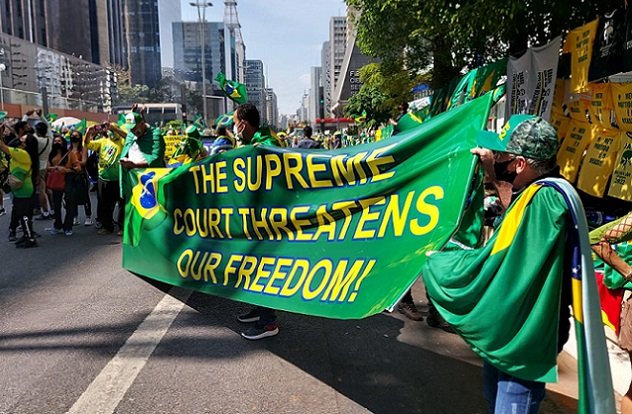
<point x="58" y="147"/>
<point x="502" y="174"/>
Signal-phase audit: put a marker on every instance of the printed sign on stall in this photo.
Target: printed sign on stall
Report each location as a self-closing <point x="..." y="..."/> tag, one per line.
<point x="621" y="184"/>
<point x="599" y="161"/>
<point x="570" y="154"/>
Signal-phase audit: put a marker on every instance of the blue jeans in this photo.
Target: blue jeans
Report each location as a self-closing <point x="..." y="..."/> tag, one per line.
<point x="510" y="395"/>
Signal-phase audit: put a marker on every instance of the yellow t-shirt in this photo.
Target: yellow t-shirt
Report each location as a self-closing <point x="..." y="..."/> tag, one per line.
<point x="109" y="153"/>
<point x="20" y="166"/>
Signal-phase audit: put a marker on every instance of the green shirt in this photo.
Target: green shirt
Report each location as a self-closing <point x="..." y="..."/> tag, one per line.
<point x="109" y="153"/>
<point x="21" y="167"/>
<point x="151" y="145"/>
<point x="265" y="136"/>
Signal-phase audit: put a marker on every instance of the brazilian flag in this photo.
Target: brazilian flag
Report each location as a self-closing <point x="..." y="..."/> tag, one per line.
<point x="234" y="90"/>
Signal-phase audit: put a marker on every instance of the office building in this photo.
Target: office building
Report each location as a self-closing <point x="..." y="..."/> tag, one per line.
<point x="272" y="111"/>
<point x="255" y="85"/>
<point x="169" y="12"/>
<point x="315" y="94"/>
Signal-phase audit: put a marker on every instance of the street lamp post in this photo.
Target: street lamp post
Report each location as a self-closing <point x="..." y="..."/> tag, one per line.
<point x="201" y="9"/>
<point x="3" y="67"/>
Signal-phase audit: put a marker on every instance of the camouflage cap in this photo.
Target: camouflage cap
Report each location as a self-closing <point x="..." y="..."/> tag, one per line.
<point x="526" y="135"/>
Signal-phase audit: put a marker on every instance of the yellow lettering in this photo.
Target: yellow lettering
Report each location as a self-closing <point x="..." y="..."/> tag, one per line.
<point x="429" y="210"/>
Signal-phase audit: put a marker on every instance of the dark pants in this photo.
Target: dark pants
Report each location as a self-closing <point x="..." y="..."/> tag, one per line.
<point x="266" y="316"/>
<point x="58" y="197"/>
<point x="72" y="195"/>
<point x="22" y="213"/>
<point x="108" y="195"/>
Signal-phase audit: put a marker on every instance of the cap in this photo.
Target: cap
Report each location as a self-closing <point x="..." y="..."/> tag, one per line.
<point x="192" y="132"/>
<point x="526" y="135"/>
<point x="132" y="118"/>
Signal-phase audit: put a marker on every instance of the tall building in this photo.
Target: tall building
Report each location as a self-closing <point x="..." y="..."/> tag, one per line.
<point x="187" y="50"/>
<point x="255" y="85"/>
<point x="25" y="19"/>
<point x="302" y="112"/>
<point x="315" y="94"/>
<point x="326" y="78"/>
<point x="143" y="41"/>
<point x="235" y="63"/>
<point x="348" y="82"/>
<point x="169" y="11"/>
<point x="112" y="15"/>
<point x="337" y="49"/>
<point x="272" y="108"/>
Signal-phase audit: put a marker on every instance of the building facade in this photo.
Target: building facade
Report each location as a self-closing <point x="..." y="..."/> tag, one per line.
<point x="337" y="49"/>
<point x="325" y="80"/>
<point x="142" y="33"/>
<point x="255" y="86"/>
<point x="169" y="11"/>
<point x="316" y="101"/>
<point x="272" y="108"/>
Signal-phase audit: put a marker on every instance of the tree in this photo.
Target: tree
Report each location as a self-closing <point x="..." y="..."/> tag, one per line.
<point x="452" y="35"/>
<point x="369" y="100"/>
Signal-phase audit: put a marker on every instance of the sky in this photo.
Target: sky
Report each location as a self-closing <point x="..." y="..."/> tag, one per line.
<point x="287" y="35"/>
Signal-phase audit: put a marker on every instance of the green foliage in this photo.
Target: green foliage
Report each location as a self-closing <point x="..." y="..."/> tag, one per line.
<point x="451" y="35"/>
<point x="373" y="101"/>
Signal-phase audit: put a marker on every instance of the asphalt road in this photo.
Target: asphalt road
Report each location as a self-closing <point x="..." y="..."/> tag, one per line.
<point x="80" y="334"/>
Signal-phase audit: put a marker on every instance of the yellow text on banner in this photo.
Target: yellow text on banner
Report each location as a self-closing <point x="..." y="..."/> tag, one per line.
<point x="600" y="104"/>
<point x="622" y="102"/>
<point x="599" y="161"/>
<point x="561" y="123"/>
<point x="581" y="54"/>
<point x="171" y="144"/>
<point x="570" y="154"/>
<point x="621" y="184"/>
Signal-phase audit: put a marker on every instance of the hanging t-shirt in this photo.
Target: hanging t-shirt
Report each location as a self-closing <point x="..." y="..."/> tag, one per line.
<point x="622" y="176"/>
<point x="607" y="58"/>
<point x="599" y="161"/>
<point x="570" y="154"/>
<point x="584" y="39"/>
<point x="21" y="167"/>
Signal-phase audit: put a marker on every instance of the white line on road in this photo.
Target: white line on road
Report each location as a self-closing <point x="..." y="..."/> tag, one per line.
<point x="108" y="388"/>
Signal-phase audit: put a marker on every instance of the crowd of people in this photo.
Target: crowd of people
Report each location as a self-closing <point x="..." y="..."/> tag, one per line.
<point x="47" y="172"/>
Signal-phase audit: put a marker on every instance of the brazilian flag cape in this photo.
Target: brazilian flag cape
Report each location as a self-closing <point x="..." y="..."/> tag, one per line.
<point x="504" y="299"/>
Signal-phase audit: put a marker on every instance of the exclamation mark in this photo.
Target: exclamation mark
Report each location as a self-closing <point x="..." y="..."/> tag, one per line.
<point x="358" y="283"/>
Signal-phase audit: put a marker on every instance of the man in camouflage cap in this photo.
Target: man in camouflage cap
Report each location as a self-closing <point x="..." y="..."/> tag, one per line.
<point x="524" y="152"/>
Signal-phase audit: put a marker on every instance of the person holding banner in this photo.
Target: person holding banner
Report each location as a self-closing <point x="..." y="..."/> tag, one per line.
<point x="520" y="275"/>
<point x="247" y="131"/>
<point x="621" y="278"/>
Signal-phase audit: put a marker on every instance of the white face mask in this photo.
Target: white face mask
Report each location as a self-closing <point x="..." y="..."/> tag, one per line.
<point x="236" y="133"/>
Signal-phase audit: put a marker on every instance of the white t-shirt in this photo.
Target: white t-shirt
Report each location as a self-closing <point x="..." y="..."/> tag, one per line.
<point x="44" y="147"/>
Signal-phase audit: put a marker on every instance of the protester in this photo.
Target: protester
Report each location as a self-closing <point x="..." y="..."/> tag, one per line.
<point x="57" y="179"/>
<point x="519" y="350"/>
<point x="307" y="142"/>
<point x="23" y="166"/>
<point x="44" y="143"/>
<point x="615" y="278"/>
<point x="76" y="188"/>
<point x="108" y="148"/>
<point x="225" y="141"/>
<point x="144" y="146"/>
<point x="247" y="131"/>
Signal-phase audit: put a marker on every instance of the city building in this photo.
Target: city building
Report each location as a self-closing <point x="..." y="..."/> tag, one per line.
<point x="337" y="49"/>
<point x="326" y="78"/>
<point x="272" y="108"/>
<point x="169" y="11"/>
<point x="33" y="71"/>
<point x="348" y="83"/>
<point x="235" y="63"/>
<point x="302" y="113"/>
<point x="143" y="41"/>
<point x="255" y="85"/>
<point x="315" y="94"/>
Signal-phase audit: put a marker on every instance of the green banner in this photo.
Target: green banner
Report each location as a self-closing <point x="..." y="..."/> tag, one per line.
<point x="340" y="234"/>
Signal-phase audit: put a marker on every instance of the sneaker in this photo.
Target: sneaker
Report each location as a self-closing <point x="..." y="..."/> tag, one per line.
<point x="75" y="222"/>
<point x="2" y="211"/>
<point x="410" y="311"/>
<point x="12" y="236"/>
<point x="435" y="320"/>
<point x="68" y="232"/>
<point x="260" y="332"/>
<point x="103" y="232"/>
<point x="43" y="217"/>
<point x="26" y="243"/>
<point x="54" y="231"/>
<point x="252" y="316"/>
<point x="88" y="222"/>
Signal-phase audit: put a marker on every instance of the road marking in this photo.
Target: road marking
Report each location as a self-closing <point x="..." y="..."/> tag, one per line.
<point x="108" y="388"/>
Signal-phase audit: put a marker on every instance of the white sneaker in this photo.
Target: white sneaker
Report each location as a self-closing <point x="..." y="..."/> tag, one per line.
<point x="2" y="211"/>
<point x="75" y="222"/>
<point x="88" y="222"/>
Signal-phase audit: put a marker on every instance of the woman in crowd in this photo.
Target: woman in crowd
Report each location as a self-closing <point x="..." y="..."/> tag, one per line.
<point x="76" y="182"/>
<point x="57" y="166"/>
<point x="24" y="166"/>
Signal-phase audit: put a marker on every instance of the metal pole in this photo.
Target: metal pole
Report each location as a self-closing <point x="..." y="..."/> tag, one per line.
<point x="201" y="19"/>
<point x="2" y="69"/>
